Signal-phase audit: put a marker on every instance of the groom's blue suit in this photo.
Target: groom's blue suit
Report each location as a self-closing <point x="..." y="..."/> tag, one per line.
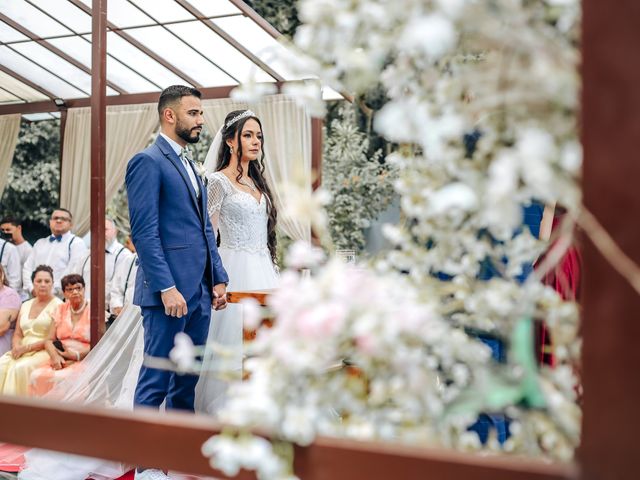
<point x="175" y="243"/>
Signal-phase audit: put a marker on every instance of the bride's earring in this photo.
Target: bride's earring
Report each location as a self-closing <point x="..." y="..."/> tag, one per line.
<point x="231" y="150"/>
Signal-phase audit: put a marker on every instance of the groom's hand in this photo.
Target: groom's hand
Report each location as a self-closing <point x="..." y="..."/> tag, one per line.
<point x="174" y="303"/>
<point x="219" y="296"/>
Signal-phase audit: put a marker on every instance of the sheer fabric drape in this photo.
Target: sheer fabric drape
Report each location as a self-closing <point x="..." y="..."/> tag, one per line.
<point x="9" y="129"/>
<point x="129" y="129"/>
<point x="287" y="130"/>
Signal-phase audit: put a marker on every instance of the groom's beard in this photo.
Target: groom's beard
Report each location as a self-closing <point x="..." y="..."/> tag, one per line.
<point x="189" y="135"/>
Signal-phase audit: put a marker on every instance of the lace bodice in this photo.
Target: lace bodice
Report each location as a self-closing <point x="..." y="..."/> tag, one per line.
<point x="241" y="219"/>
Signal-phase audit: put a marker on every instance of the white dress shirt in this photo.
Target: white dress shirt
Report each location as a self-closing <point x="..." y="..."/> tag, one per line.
<point x="24" y="249"/>
<point x="123" y="283"/>
<point x="190" y="171"/>
<point x="115" y="254"/>
<point x="58" y="255"/>
<point x="10" y="260"/>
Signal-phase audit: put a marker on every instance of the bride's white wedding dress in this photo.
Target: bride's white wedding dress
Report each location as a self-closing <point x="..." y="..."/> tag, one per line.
<point x="110" y="371"/>
<point x="242" y="223"/>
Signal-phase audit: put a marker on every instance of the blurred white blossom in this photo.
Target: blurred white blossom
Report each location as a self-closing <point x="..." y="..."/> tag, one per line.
<point x="183" y="353"/>
<point x="302" y="254"/>
<point x="481" y="100"/>
<point x="251" y="313"/>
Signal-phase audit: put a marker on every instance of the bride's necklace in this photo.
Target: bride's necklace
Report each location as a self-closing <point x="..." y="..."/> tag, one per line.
<point x="84" y="304"/>
<point x="251" y="186"/>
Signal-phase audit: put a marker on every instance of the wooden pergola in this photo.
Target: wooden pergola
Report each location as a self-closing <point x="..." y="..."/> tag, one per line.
<point x="609" y="449"/>
<point x="220" y="21"/>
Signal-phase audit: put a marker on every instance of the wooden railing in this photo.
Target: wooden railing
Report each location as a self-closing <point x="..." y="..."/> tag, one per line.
<point x="174" y="440"/>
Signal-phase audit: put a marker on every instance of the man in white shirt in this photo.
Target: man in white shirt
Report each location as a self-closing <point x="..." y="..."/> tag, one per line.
<point x="115" y="254"/>
<point x="10" y="260"/>
<point x="123" y="284"/>
<point x="11" y="229"/>
<point x="59" y="250"/>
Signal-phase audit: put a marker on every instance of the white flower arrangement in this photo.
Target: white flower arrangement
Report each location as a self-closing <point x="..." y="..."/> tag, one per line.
<point x="482" y="100"/>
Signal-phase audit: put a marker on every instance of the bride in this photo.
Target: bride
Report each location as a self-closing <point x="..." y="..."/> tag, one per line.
<point x="240" y="207"/>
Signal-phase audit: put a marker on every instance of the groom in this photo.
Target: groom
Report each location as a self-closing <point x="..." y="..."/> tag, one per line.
<point x="180" y="275"/>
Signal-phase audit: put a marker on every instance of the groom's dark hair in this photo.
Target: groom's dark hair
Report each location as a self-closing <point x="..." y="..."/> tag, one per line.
<point x="173" y="94"/>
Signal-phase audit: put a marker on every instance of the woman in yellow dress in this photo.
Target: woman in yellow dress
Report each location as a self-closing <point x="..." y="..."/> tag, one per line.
<point x="32" y="329"/>
<point x="70" y="330"/>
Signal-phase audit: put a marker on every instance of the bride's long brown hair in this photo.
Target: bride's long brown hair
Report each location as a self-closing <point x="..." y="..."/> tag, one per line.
<point x="256" y="171"/>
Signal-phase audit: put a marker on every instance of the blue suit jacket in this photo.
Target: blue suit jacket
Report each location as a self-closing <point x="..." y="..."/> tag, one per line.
<point x="169" y="227"/>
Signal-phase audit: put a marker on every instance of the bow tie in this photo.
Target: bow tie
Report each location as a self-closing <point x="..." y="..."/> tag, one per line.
<point x="55" y="238"/>
<point x="185" y="154"/>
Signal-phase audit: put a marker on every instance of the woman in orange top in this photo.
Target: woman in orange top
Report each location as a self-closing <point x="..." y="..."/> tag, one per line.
<point x="69" y="336"/>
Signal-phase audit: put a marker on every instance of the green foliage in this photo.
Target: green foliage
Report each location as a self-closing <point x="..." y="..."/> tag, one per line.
<point x="361" y="185"/>
<point x="282" y="14"/>
<point x="33" y="184"/>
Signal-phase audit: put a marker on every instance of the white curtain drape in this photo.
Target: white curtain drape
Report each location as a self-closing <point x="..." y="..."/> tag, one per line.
<point x="129" y="128"/>
<point x="287" y="133"/>
<point x="9" y="129"/>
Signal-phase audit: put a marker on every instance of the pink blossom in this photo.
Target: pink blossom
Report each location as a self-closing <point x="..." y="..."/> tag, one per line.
<point x="323" y="320"/>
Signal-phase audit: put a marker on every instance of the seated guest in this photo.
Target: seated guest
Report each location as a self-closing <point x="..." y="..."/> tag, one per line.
<point x="69" y="336"/>
<point x="32" y="329"/>
<point x="9" y="308"/>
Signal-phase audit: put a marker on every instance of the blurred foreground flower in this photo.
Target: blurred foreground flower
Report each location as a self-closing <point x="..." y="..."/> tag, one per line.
<point x="183" y="353"/>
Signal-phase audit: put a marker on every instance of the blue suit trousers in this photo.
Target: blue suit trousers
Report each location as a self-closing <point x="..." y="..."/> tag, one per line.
<point x="154" y="386"/>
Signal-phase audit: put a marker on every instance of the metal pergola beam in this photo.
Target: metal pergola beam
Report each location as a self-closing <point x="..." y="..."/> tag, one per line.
<point x="53" y="49"/>
<point x="188" y="45"/>
<point x="141" y="47"/>
<point x="230" y="40"/>
<point x="82" y="36"/>
<point x="98" y="165"/>
<point x="116" y="29"/>
<point x="253" y="15"/>
<point x="128" y="99"/>
<point x="27" y="82"/>
<point x="610" y="328"/>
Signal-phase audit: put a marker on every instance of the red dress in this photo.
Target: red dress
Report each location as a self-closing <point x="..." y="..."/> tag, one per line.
<point x="564" y="278"/>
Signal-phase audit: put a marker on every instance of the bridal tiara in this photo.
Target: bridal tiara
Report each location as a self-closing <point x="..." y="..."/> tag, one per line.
<point x="246" y="113"/>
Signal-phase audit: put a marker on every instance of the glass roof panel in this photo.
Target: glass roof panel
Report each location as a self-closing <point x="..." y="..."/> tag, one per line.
<point x="75" y="47"/>
<point x="258" y="42"/>
<point x="8" y="34"/>
<point x="20" y="89"/>
<point x="6" y="97"/>
<point x="182" y="56"/>
<point x="37" y="75"/>
<point x="69" y="14"/>
<point x="210" y="8"/>
<point x="329" y="93"/>
<point x="164" y="10"/>
<point x="147" y="66"/>
<point x="52" y="62"/>
<point x="123" y="14"/>
<point x="127" y="79"/>
<point x="31" y="18"/>
<point x="211" y="45"/>
<point x="36" y="117"/>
